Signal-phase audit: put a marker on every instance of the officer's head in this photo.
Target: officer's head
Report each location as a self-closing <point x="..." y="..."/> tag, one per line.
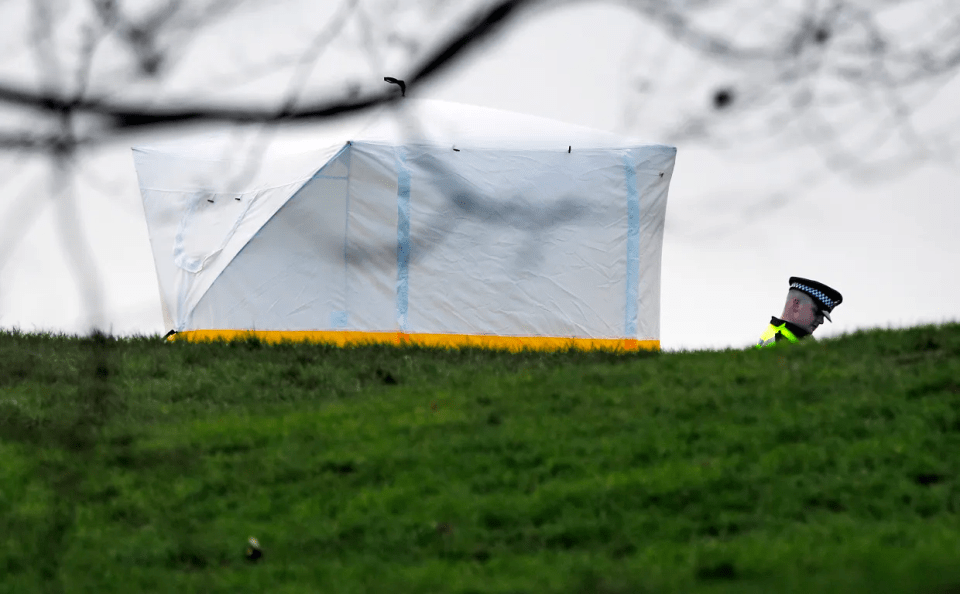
<point x="802" y="310"/>
<point x="809" y="302"/>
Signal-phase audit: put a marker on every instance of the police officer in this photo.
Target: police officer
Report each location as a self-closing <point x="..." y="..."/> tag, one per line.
<point x="808" y="303"/>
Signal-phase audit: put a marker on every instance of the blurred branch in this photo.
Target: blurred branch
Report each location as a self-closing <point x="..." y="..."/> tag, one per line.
<point x="842" y="41"/>
<point x="119" y="116"/>
<point x="310" y="56"/>
<point x="37" y="142"/>
<point x="42" y="44"/>
<point x="142" y="36"/>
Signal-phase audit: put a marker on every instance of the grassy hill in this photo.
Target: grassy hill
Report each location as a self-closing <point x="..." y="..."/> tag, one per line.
<point x="136" y="465"/>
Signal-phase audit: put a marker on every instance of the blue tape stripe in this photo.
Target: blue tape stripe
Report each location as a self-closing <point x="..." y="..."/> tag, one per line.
<point x="633" y="247"/>
<point x="403" y="237"/>
<point x="346" y="233"/>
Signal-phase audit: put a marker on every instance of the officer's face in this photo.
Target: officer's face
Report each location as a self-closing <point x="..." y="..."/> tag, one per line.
<point x="803" y="311"/>
<point x="817" y="320"/>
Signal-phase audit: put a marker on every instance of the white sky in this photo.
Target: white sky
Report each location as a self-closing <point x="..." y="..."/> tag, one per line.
<point x="742" y="218"/>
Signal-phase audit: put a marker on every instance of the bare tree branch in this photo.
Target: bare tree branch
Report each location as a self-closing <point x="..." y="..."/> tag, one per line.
<point x="119" y="116"/>
<point x="310" y="56"/>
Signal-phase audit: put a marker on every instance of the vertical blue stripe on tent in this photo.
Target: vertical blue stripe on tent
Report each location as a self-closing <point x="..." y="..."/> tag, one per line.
<point x="633" y="247"/>
<point x="403" y="236"/>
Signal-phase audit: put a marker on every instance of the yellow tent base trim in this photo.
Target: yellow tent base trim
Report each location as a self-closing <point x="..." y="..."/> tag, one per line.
<point x="344" y="338"/>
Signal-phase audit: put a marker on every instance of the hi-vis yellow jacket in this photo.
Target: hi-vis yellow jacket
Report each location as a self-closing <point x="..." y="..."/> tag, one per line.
<point x="775" y="330"/>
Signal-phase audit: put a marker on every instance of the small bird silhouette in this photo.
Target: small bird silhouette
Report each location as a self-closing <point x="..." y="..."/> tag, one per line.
<point x="396" y="81"/>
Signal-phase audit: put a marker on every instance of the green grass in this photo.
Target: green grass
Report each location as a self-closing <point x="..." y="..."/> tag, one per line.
<point x="135" y="465"/>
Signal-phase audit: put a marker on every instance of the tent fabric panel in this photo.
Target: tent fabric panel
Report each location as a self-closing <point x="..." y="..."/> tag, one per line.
<point x="654" y="169"/>
<point x="516" y="243"/>
<point x="632" y="274"/>
<point x="193" y="285"/>
<point x="371" y="243"/>
<point x="162" y="217"/>
<point x="176" y="188"/>
<point x="291" y="275"/>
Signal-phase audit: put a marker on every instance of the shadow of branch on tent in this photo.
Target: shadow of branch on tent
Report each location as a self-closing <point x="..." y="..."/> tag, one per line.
<point x="466" y="203"/>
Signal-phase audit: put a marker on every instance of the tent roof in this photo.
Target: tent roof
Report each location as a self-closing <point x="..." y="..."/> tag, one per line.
<point x="408" y="121"/>
<point x="251" y="158"/>
<point x="438" y="122"/>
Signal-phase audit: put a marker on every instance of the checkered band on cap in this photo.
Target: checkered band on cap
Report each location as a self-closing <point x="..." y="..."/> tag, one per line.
<point x="817" y="294"/>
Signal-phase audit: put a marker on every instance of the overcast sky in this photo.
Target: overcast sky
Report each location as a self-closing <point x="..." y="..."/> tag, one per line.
<point x="744" y="214"/>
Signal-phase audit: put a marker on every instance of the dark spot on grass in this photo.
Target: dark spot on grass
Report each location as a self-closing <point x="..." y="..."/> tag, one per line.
<point x="444" y="528"/>
<point x="339" y="467"/>
<point x="179" y="458"/>
<point x="481" y="555"/>
<point x="123" y="440"/>
<point x="559" y="468"/>
<point x="386" y="377"/>
<point x="935" y="387"/>
<point x="352" y="535"/>
<point x="483" y="401"/>
<point x="835" y="506"/>
<point x="493" y="520"/>
<point x="102" y="372"/>
<point x="106" y="494"/>
<point x="623" y="550"/>
<point x="290" y="475"/>
<point x="793" y="434"/>
<point x="564" y="540"/>
<point x="129" y="515"/>
<point x="252" y="342"/>
<point x="12" y="565"/>
<point x="124" y="460"/>
<point x="16" y="426"/>
<point x="826" y="503"/>
<point x="494" y="419"/>
<point x="188" y="560"/>
<point x="719" y="571"/>
<point x="229" y="448"/>
<point x="927" y="479"/>
<point x="15" y="372"/>
<point x="73" y="438"/>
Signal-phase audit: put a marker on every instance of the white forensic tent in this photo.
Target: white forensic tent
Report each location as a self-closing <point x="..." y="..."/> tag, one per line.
<point x="438" y="223"/>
